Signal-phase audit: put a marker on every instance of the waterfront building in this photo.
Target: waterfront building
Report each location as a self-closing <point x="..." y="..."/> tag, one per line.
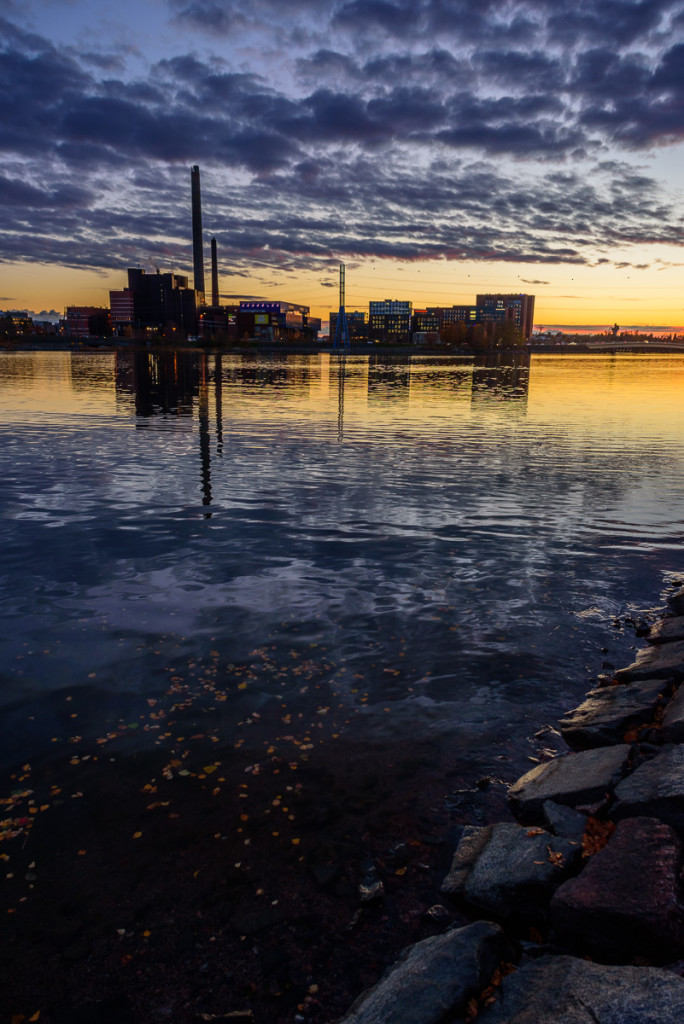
<point x="157" y="302"/>
<point x="264" y="320"/>
<point x="390" y="320"/>
<point x="122" y="312"/>
<point x="356" y="322"/>
<point x="517" y="307"/>
<point x="87" y="322"/>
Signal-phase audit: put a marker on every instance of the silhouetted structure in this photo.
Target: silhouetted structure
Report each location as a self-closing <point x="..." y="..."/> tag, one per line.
<point x="214" y="274"/>
<point x="341" y="335"/>
<point x="197" y="249"/>
<point x="158" y="302"/>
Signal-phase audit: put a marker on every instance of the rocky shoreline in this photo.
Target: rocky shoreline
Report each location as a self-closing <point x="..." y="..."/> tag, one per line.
<point x="576" y="908"/>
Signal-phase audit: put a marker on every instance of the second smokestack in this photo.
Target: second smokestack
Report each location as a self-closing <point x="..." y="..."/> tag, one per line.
<point x="214" y="274"/>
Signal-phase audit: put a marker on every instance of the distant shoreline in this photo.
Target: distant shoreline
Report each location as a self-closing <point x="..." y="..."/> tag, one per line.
<point x="126" y="344"/>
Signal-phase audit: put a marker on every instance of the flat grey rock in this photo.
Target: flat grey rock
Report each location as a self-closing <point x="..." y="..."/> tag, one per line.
<point x="472" y="842"/>
<point x="566" y="990"/>
<point x="673" y="719"/>
<point x="609" y="712"/>
<point x="625" y="903"/>
<point x="587" y="777"/>
<point x="665" y="661"/>
<point x="666" y="630"/>
<point x="518" y="870"/>
<point x="655" y="789"/>
<point x="436" y="977"/>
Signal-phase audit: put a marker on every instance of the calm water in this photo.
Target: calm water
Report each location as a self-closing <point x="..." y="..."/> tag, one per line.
<point x="299" y="552"/>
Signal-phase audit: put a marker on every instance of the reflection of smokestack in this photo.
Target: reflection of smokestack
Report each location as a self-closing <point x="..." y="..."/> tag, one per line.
<point x="214" y="274"/>
<point x="197" y="255"/>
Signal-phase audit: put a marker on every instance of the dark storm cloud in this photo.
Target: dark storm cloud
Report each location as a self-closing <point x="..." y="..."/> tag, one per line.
<point x="396" y="19"/>
<point x="390" y="141"/>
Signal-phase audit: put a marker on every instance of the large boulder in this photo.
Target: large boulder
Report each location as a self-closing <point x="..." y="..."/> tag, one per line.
<point x="655" y="789"/>
<point x="566" y="990"/>
<point x="664" y="661"/>
<point x="581" y="779"/>
<point x="625" y="903"/>
<point x="436" y="977"/>
<point x="611" y="711"/>
<point x="666" y="630"/>
<point x="518" y="870"/>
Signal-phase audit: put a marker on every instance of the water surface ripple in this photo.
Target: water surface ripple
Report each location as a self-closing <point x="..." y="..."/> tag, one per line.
<point x="426" y="548"/>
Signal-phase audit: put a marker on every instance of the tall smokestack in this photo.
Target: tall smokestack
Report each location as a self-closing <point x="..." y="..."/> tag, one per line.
<point x="214" y="274"/>
<point x="197" y="254"/>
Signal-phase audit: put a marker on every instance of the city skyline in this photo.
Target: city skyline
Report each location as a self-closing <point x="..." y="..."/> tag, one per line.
<point x="437" y="149"/>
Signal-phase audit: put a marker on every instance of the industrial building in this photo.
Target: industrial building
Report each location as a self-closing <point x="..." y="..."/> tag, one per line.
<point x="154" y="303"/>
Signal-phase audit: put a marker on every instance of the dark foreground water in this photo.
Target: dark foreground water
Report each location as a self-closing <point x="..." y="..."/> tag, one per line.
<point x="315" y="600"/>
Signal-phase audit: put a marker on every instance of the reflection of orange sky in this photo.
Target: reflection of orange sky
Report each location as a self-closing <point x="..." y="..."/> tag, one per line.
<point x="574" y="395"/>
<point x="640" y="396"/>
<point x="570" y="295"/>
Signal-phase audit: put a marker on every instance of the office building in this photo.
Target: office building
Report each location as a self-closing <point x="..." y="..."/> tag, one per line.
<point x="356" y="323"/>
<point x="390" y="320"/>
<point x="517" y="307"/>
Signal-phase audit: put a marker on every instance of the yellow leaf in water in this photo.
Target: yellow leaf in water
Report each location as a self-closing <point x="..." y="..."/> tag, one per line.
<point x="136" y="835"/>
<point x="209" y="768"/>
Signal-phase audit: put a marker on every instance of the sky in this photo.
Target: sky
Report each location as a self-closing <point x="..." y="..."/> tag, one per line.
<point x="437" y="148"/>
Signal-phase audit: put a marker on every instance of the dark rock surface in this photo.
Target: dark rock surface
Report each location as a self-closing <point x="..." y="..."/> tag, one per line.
<point x="665" y="661"/>
<point x="666" y="630"/>
<point x="433" y="978"/>
<point x="676" y="601"/>
<point x="611" y="711"/>
<point x="655" y="789"/>
<point x="573" y="779"/>
<point x="518" y="871"/>
<point x="673" y="719"/>
<point x="564" y="821"/>
<point x="625" y="903"/>
<point x="566" y="990"/>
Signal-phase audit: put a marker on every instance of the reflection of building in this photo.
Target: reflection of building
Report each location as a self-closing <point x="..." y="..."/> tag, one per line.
<point x="277" y="321"/>
<point x="161" y="382"/>
<point x="356" y="322"/>
<point x="519" y="308"/>
<point x="501" y="378"/>
<point x="156" y="302"/>
<point x="87" y="322"/>
<point x="390" y="320"/>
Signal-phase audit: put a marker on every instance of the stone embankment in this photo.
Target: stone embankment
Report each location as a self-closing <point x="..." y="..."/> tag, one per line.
<point x="577" y="907"/>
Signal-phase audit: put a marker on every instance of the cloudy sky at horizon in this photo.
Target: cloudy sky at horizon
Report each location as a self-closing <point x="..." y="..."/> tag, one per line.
<point x="437" y="147"/>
